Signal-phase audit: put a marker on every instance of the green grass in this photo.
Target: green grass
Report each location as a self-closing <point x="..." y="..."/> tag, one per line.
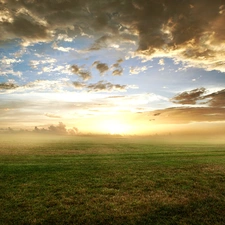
<point x="111" y="181"/>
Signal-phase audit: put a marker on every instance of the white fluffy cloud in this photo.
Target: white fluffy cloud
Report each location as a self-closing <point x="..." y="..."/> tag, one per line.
<point x="137" y="70"/>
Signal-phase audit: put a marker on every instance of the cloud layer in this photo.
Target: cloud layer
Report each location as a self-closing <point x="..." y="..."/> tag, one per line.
<point x="190" y="30"/>
<point x="211" y="108"/>
<point x="101" y="86"/>
<point x="215" y="99"/>
<point x="59" y="129"/>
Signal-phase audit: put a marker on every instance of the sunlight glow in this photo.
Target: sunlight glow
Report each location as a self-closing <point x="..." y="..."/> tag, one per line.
<point x="115" y="127"/>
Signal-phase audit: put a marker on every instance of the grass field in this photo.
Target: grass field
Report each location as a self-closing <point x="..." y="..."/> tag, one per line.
<point x="79" y="180"/>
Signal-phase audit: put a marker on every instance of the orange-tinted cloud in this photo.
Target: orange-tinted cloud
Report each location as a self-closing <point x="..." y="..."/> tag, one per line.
<point x="213" y="109"/>
<point x="215" y="99"/>
<point x="189" y="97"/>
<point x="187" y="115"/>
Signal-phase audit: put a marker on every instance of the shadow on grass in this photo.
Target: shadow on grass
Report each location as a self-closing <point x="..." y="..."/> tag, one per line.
<point x="208" y="211"/>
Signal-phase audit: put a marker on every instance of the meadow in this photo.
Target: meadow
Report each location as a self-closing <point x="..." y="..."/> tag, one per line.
<point x="111" y="180"/>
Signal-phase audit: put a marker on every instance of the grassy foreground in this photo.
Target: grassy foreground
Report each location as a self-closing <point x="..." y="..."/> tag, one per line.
<point x="115" y="181"/>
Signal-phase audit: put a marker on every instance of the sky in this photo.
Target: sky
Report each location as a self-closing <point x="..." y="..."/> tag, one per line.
<point x="137" y="67"/>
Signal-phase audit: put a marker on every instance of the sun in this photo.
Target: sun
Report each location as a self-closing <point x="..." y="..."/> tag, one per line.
<point x="115" y="127"/>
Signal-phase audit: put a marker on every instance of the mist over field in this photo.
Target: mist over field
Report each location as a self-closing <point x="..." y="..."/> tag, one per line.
<point x="37" y="138"/>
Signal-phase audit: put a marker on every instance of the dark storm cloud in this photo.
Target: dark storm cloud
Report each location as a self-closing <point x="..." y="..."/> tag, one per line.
<point x="101" y="67"/>
<point x="190" y="30"/>
<point x="31" y="30"/>
<point x="85" y="75"/>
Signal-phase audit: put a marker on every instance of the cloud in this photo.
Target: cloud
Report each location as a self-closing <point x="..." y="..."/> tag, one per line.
<point x="106" y="87"/>
<point x="101" y="42"/>
<point x="79" y="85"/>
<point x="101" y="67"/>
<point x="137" y="70"/>
<point x="62" y="49"/>
<point x="190" y="31"/>
<point x="118" y="71"/>
<point x="75" y="69"/>
<point x="138" y="102"/>
<point x="85" y="75"/>
<point x="215" y="99"/>
<point x="8" y="61"/>
<point x="184" y="115"/>
<point x="35" y="63"/>
<point x="182" y="30"/>
<point x="119" y="60"/>
<point x="59" y="129"/>
<point x="101" y="86"/>
<point x="37" y="86"/>
<point x="189" y="97"/>
<point x="11" y="72"/>
<point x="161" y="62"/>
<point x="52" y="115"/>
<point x="8" y="86"/>
<point x="212" y="110"/>
<point x="64" y="37"/>
<point x="7" y="66"/>
<point x="116" y="97"/>
<point x="34" y="31"/>
<point x="44" y="85"/>
<point x="116" y="65"/>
